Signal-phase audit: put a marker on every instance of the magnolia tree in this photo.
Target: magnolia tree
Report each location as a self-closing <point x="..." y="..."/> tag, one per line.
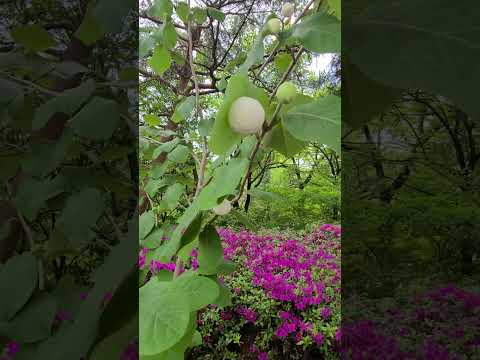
<point x="216" y="100"/>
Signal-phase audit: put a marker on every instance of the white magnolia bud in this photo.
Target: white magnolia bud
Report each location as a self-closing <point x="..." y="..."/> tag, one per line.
<point x="288" y="9"/>
<point x="223" y="208"/>
<point x="274" y="26"/>
<point x="246" y="116"/>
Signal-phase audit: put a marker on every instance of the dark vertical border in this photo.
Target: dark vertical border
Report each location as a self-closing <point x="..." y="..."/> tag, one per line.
<point x="69" y="180"/>
<point x="410" y="156"/>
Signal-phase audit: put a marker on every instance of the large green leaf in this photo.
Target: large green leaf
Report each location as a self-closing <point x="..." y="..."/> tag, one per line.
<point x="199" y="290"/>
<point x="172" y="195"/>
<point x="67" y="102"/>
<point x="34" y="322"/>
<point x="97" y="120"/>
<point x="15" y="294"/>
<point x="210" y="251"/>
<point x="146" y="224"/>
<point x="80" y="214"/>
<point x="429" y="45"/>
<point x="317" y="121"/>
<point x="161" y="9"/>
<point x="223" y="137"/>
<point x="225" y="181"/>
<point x="161" y="60"/>
<point x="180" y="154"/>
<point x="163" y="317"/>
<point x="320" y="33"/>
<point x="33" y="37"/>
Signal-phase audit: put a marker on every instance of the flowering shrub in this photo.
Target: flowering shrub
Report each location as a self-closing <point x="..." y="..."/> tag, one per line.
<point x="285" y="298"/>
<point x="440" y="323"/>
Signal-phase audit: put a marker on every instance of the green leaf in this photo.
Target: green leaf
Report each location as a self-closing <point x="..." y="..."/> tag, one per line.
<point x="171" y="247"/>
<point x="282" y="62"/>
<point x="161" y="60"/>
<point x="184" y="109"/>
<point x="224" y="298"/>
<point x="151" y="120"/>
<point x="172" y="195"/>
<point x="81" y="212"/>
<point x="182" y="11"/>
<point x="319" y="33"/>
<point x="154" y="185"/>
<point x="146" y="44"/>
<point x="34" y="322"/>
<point x="155" y="238"/>
<point x="336" y="7"/>
<point x="317" y="121"/>
<point x="169" y="35"/>
<point x="279" y="139"/>
<point x="225" y="181"/>
<point x="97" y="120"/>
<point x="90" y="29"/>
<point x="146" y="224"/>
<point x="114" y="345"/>
<point x="166" y="147"/>
<point x="74" y="341"/>
<point x="180" y="154"/>
<point x="210" y="251"/>
<point x="33" y="37"/>
<point x="43" y="158"/>
<point x="67" y="102"/>
<point x="200" y="15"/>
<point x="191" y="234"/>
<point x="162" y="9"/>
<point x="15" y="294"/>
<point x="216" y="14"/>
<point x="222" y="84"/>
<point x="223" y="137"/>
<point x="446" y="48"/>
<point x="164" y="317"/>
<point x="199" y="290"/>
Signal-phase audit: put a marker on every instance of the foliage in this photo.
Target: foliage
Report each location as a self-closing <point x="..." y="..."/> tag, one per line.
<point x="68" y="185"/>
<point x="195" y="63"/>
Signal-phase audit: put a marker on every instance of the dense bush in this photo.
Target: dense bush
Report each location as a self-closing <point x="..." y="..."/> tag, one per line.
<point x="440" y="323"/>
<point x="285" y="298"/>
